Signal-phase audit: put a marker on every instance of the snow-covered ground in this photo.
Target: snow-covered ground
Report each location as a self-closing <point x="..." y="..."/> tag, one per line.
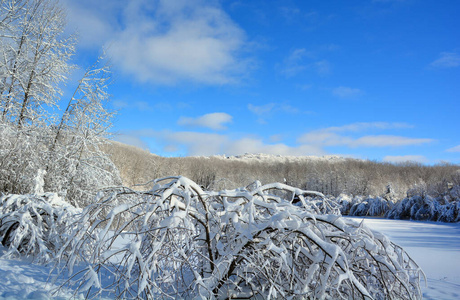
<point x="434" y="246"/>
<point x="22" y="280"/>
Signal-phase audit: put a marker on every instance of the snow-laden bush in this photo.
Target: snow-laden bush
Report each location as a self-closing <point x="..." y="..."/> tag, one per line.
<point x="34" y="225"/>
<point x="450" y="212"/>
<point x="362" y="206"/>
<point x="75" y="168"/>
<point x="425" y="208"/>
<point x="179" y="241"/>
<point x="370" y="206"/>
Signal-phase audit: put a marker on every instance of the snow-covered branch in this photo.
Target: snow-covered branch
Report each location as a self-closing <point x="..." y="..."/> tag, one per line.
<point x="180" y="241"/>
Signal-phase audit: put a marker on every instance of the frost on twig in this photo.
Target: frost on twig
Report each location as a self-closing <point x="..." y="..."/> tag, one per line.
<point x="179" y="241"/>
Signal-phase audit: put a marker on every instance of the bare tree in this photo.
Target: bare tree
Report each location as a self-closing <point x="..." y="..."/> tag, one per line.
<point x="35" y="59"/>
<point x="82" y="129"/>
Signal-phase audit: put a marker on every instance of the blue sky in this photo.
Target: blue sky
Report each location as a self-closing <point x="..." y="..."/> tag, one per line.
<point x="371" y="79"/>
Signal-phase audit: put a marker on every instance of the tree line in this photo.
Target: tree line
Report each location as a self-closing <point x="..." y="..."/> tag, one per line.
<point x="342" y="176"/>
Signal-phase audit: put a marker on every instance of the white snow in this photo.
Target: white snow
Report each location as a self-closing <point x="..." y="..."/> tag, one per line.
<point x="271" y="158"/>
<point x="434" y="246"/>
<point x="21" y="279"/>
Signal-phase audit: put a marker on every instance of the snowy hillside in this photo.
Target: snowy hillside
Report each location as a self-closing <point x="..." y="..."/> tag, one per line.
<point x="270" y="158"/>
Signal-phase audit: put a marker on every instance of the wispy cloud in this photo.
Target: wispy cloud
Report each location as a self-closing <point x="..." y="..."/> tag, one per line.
<point x="454" y="149"/>
<point x="312" y="143"/>
<point x="213" y="121"/>
<point x="252" y="145"/>
<point x="132" y="140"/>
<point x="334" y="136"/>
<point x="322" y="67"/>
<point x="406" y="158"/>
<point x="261" y="110"/>
<point x="196" y="143"/>
<point x="347" y="92"/>
<point x="139" y="105"/>
<point x="93" y="21"/>
<point x="387" y="141"/>
<point x="301" y="59"/>
<point x="447" y="60"/>
<point x="294" y="63"/>
<point x="361" y="126"/>
<point x="266" y="110"/>
<point x="289" y="12"/>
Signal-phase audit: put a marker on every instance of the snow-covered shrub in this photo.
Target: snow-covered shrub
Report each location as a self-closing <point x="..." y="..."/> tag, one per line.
<point x="449" y="212"/>
<point x="21" y="155"/>
<point x="362" y="206"/>
<point x="74" y="171"/>
<point x="179" y="241"/>
<point x="34" y="225"/>
<point x="370" y="206"/>
<point x="416" y="208"/>
<point x="344" y="202"/>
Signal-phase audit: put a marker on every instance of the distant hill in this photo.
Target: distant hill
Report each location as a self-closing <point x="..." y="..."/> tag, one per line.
<point x="270" y="158"/>
<point x="331" y="174"/>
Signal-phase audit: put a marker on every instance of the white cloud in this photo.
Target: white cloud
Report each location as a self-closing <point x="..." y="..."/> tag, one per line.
<point x="266" y="110"/>
<point x="454" y="149"/>
<point x="120" y="104"/>
<point x="173" y="41"/>
<point x="261" y="110"/>
<point x="447" y="60"/>
<point x="213" y="121"/>
<point x="387" y="141"/>
<point x="139" y="105"/>
<point x="323" y="138"/>
<point x="347" y="92"/>
<point x="330" y="136"/>
<point x="131" y="140"/>
<point x="164" y="41"/>
<point x="361" y="126"/>
<point x="323" y="67"/>
<point x="196" y="143"/>
<point x="252" y="145"/>
<point x="293" y="64"/>
<point x="276" y="138"/>
<point x="311" y="143"/>
<point x="296" y="63"/>
<point x="93" y="21"/>
<point x="406" y="158"/>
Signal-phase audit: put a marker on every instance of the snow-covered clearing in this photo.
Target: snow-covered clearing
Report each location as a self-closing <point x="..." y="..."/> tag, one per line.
<point x="434" y="246"/>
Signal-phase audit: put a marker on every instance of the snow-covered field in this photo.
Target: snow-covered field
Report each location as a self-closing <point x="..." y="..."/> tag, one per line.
<point x="434" y="246"/>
